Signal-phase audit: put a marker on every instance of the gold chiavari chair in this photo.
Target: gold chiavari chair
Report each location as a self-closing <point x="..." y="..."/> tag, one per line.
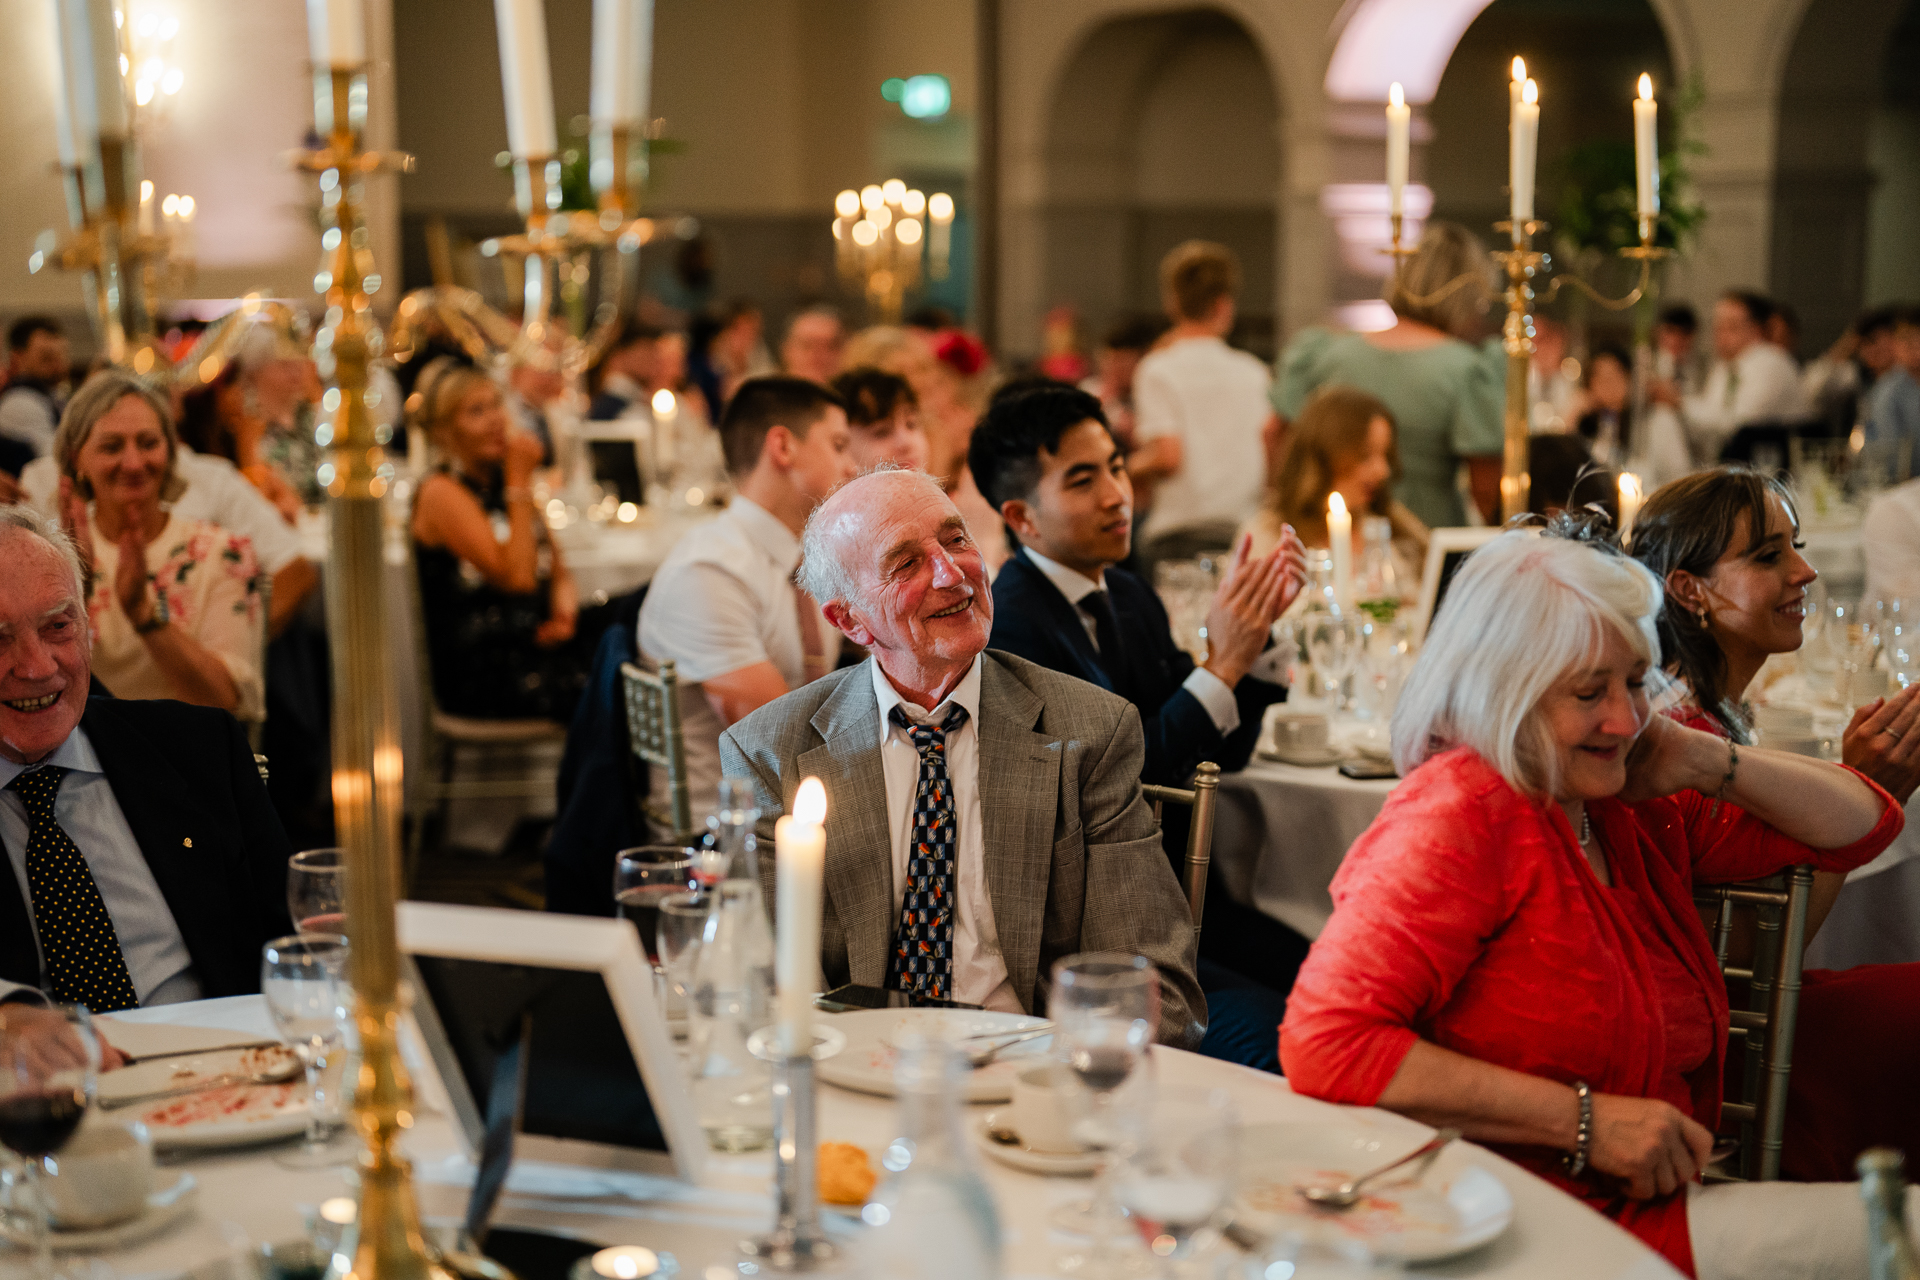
<point x="1193" y="871"/>
<point x="653" y="730"/>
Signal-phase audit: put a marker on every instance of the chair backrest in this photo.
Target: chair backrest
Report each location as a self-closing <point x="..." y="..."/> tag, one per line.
<point x="653" y="728"/>
<point x="1764" y="990"/>
<point x="1193" y="871"/>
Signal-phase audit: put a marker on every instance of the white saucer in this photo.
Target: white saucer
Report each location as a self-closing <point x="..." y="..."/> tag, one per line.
<point x="172" y="1199"/>
<point x="827" y="1042"/>
<point x="1306" y="758"/>
<point x="1068" y="1164"/>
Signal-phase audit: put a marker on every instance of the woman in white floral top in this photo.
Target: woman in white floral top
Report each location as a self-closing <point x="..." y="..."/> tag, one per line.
<point x="174" y="602"/>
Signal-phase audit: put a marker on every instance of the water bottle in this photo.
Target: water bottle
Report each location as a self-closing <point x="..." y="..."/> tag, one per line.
<point x="933" y="1218"/>
<point x="732" y="998"/>
<point x="1883" y="1185"/>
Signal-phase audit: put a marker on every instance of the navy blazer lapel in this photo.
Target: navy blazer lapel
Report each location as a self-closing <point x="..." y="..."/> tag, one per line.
<point x="1063" y="619"/>
<point x="859" y="870"/>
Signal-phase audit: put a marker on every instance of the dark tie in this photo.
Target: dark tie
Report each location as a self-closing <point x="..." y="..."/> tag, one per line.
<point x="922" y="963"/>
<point x="77" y="942"/>
<point x="1106" y="633"/>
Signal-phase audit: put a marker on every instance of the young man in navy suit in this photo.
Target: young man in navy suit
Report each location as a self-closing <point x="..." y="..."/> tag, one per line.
<point x="1047" y="461"/>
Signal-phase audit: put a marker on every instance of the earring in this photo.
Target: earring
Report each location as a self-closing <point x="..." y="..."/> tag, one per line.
<point x="1706" y="618"/>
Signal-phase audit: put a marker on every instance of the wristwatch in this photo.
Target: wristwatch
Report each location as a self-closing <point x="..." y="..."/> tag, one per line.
<point x="155" y="620"/>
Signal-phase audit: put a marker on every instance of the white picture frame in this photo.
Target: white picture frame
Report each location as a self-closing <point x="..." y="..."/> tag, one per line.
<point x="609" y="948"/>
<point x="1446" y="548"/>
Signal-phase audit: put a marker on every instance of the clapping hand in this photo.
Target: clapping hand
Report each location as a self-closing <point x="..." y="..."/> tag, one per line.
<point x="1881" y="742"/>
<point x="130" y="580"/>
<point x="1255" y="593"/>
<point x="73" y="518"/>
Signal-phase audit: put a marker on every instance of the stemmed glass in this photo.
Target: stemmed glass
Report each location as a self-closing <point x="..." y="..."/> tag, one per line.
<point x="1855" y="644"/>
<point x="304" y="980"/>
<point x="1333" y="646"/>
<point x="1177" y="1178"/>
<point x="1105" y="1008"/>
<point x="316" y="891"/>
<point x="645" y="877"/>
<point x="48" y="1067"/>
<point x="735" y="811"/>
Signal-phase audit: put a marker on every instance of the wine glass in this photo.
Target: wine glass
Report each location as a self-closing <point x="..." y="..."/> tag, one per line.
<point x="730" y="824"/>
<point x="304" y="980"/>
<point x="1105" y="1008"/>
<point x="683" y="920"/>
<point x="316" y="891"/>
<point x="643" y="878"/>
<point x="1176" y="1179"/>
<point x="49" y="1062"/>
<point x="1333" y="648"/>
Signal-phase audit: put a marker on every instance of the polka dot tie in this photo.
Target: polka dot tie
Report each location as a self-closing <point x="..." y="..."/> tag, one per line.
<point x="922" y="960"/>
<point x="77" y="942"/>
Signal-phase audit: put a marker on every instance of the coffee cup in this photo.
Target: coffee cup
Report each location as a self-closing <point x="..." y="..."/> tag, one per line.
<point x="1301" y="733"/>
<point x="102" y="1176"/>
<point x="1039" y="1112"/>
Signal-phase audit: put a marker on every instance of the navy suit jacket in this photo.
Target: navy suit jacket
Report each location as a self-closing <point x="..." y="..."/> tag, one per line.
<point x="1034" y="621"/>
<point x="186" y="781"/>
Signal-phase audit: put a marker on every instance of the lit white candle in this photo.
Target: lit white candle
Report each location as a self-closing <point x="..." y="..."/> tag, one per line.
<point x="1399" y="133"/>
<point x="103" y="60"/>
<point x="1526" y="137"/>
<point x="145" y="223"/>
<point x="1629" y="501"/>
<point x="1646" y="151"/>
<point x="622" y="60"/>
<point x="336" y="33"/>
<point x="526" y="77"/>
<point x="626" y="1262"/>
<point x="1517" y="83"/>
<point x="799" y="868"/>
<point x="73" y="98"/>
<point x="1340" y="542"/>
<point x="665" y="438"/>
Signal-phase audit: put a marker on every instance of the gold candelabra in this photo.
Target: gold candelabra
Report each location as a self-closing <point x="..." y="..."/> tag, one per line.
<point x="1523" y="264"/>
<point x="879" y="234"/>
<point x="116" y="259"/>
<point x="366" y="737"/>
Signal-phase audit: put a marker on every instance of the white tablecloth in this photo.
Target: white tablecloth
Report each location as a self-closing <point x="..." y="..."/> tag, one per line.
<point x="1281" y="831"/>
<point x="245" y="1195"/>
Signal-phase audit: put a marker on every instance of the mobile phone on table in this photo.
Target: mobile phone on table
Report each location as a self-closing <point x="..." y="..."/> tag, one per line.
<point x="1367" y="770"/>
<point x="855" y="996"/>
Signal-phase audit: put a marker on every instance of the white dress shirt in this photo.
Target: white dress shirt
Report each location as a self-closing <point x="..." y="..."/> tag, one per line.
<point x="1761" y="384"/>
<point x="156" y="954"/>
<point x="724" y="599"/>
<point x="1208" y="689"/>
<point x="1214" y="400"/>
<point x="29" y="416"/>
<point x="979" y="970"/>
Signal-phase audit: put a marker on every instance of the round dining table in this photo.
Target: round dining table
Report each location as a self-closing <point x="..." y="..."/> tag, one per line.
<point x="245" y="1199"/>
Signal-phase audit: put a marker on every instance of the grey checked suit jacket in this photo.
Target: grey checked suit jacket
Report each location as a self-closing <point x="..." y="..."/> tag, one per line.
<point x="1073" y="853"/>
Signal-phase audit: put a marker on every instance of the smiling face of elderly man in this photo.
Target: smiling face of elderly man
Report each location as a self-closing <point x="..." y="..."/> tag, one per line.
<point x="909" y="582"/>
<point x="45" y="655"/>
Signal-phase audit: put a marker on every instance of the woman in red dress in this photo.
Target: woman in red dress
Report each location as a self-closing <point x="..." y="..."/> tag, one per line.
<point x="1732" y="600"/>
<point x="1514" y="949"/>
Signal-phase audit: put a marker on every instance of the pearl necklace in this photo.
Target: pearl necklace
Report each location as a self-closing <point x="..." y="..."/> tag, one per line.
<point x="1586" y="828"/>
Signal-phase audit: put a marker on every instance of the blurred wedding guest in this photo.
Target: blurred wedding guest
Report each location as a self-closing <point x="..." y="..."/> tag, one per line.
<point x="1554" y="396"/>
<point x="175" y="603"/>
<point x="885" y="418"/>
<point x="1202" y="410"/>
<point x="1606" y="423"/>
<point x="1725" y="546"/>
<point x="1893" y="413"/>
<point x="723" y="607"/>
<point x="1343" y="442"/>
<point x="1837" y="382"/>
<point x="1514" y="950"/>
<point x="1115" y="365"/>
<point x="506" y="634"/>
<point x="280" y="387"/>
<point x="1034" y="778"/>
<point x="103" y="900"/>
<point x="536" y="396"/>
<point x="1674" y="357"/>
<point x="1890" y="536"/>
<point x="813" y="343"/>
<point x="1563" y="475"/>
<point x="1783" y="329"/>
<point x="215" y="420"/>
<point x="624" y="373"/>
<point x="37" y="370"/>
<point x="727" y="349"/>
<point x="1752" y="380"/>
<point x="1446" y="397"/>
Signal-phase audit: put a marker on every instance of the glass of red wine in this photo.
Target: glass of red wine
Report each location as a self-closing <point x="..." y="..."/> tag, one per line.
<point x="645" y="877"/>
<point x="49" y="1062"/>
<point x="316" y="891"/>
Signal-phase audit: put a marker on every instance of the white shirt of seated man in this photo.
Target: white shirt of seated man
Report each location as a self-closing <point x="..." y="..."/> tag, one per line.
<point x="723" y="606"/>
<point x="1751" y="381"/>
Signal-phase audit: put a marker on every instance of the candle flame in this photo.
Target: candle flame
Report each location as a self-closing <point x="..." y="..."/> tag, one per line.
<point x="146" y="191"/>
<point x="1646" y="87"/>
<point x="1530" y="92"/>
<point x="1629" y="486"/>
<point x="663" y="402"/>
<point x="810" y="802"/>
<point x="847" y="203"/>
<point x="1336" y="505"/>
<point x="1397" y="96"/>
<point x="1520" y="70"/>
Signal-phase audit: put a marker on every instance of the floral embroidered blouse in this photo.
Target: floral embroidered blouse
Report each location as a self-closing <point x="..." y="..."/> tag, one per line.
<point x="211" y="583"/>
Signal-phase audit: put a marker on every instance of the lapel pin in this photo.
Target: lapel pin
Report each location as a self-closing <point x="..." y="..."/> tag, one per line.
<point x="187" y="843"/>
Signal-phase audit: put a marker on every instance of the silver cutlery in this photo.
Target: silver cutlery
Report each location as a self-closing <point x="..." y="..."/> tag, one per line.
<point x="1347" y="1194"/>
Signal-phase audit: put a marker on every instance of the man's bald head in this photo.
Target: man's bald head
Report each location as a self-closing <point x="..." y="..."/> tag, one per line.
<point x="838" y="524"/>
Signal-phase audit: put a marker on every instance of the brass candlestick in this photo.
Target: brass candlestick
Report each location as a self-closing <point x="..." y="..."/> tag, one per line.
<point x="366" y="738"/>
<point x="106" y="247"/>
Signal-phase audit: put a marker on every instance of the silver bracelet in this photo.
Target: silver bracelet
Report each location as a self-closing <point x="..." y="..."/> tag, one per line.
<point x="1583" y="1137"/>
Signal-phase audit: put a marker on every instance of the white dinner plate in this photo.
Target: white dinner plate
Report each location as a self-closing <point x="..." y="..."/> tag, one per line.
<point x="171" y="1199"/>
<point x="237" y="1115"/>
<point x="866" y="1064"/>
<point x="1457" y="1206"/>
<point x="185" y="1069"/>
<point x="1057" y="1164"/>
<point x="1305" y="757"/>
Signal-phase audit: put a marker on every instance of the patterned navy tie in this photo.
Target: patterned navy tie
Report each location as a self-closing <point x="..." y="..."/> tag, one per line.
<point x="922" y="961"/>
<point x="77" y="941"/>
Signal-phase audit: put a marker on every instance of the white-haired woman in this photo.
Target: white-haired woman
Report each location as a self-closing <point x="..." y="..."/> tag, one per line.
<point x="174" y="603"/>
<point x="1514" y="949"/>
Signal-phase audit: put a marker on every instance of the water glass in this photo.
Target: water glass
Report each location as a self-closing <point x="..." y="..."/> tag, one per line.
<point x="304" y="981"/>
<point x="1333" y="646"/>
<point x="316" y="891"/>
<point x="731" y="826"/>
<point x="645" y="877"/>
<point x="683" y="920"/>
<point x="1177" y="1178"/>
<point x="49" y="1063"/>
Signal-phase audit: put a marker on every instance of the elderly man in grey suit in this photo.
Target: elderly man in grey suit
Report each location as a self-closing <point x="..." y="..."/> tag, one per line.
<point x="984" y="814"/>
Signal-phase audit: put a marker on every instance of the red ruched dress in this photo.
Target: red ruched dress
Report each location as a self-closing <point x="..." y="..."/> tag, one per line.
<point x="1467" y="916"/>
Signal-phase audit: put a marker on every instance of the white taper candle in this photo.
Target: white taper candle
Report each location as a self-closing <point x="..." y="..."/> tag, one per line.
<point x="799" y="869"/>
<point x="526" y="77"/>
